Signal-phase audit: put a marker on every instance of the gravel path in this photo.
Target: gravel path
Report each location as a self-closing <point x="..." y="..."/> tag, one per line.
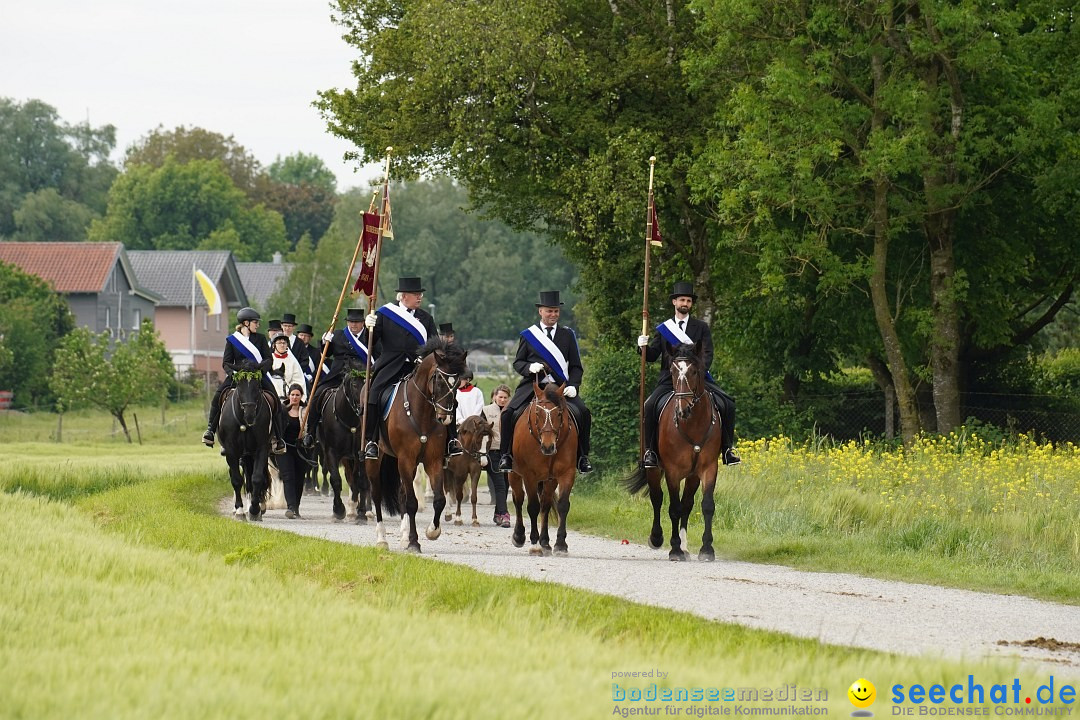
<point x="834" y="608"/>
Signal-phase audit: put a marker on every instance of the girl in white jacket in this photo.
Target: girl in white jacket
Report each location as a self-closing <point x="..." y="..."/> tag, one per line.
<point x="286" y="370"/>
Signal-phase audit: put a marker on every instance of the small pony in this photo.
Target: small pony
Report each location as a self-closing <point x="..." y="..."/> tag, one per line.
<point x="466" y="467"/>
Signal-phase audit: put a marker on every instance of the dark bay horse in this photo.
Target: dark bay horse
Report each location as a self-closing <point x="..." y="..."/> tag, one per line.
<point x="414" y="432"/>
<point x="340" y="443"/>
<point x="465" y="468"/>
<point x="244" y="432"/>
<point x="545" y="465"/>
<point x="689" y="449"/>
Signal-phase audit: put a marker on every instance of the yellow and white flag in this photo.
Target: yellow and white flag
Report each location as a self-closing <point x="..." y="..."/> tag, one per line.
<point x="210" y="292"/>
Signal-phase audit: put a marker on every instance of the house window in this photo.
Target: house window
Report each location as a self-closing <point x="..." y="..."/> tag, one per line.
<point x="136" y="317"/>
<point x="108" y="317"/>
<point x="217" y="322"/>
<point x="205" y="323"/>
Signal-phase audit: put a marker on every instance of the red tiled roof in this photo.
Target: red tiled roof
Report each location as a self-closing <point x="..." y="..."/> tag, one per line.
<point x="71" y="267"/>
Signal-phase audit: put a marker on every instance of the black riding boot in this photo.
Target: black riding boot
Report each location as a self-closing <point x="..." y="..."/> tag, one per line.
<point x="453" y="445"/>
<point x="277" y="430"/>
<point x="506" y="432"/>
<point x="371" y="450"/>
<point x="650" y="460"/>
<point x="212" y="423"/>
<point x="312" y="425"/>
<point x="584" y="441"/>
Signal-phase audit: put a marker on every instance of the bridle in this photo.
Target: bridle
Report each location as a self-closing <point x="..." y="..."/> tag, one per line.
<point x="444" y="404"/>
<point x="680" y="367"/>
<point x="537" y="428"/>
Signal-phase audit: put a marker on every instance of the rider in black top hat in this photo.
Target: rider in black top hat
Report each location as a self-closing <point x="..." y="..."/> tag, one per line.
<point x="689" y="330"/>
<point x="548" y="343"/>
<point x="345" y="345"/>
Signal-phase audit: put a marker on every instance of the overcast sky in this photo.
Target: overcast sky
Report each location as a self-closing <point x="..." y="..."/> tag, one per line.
<point x="246" y="68"/>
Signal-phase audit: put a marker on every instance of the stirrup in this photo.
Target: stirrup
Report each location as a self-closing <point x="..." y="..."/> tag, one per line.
<point x="650" y="460"/>
<point x="277" y="447"/>
<point x="208" y="438"/>
<point x="506" y="463"/>
<point x="453" y="448"/>
<point x="308" y="441"/>
<point x="583" y="465"/>
<point x="371" y="450"/>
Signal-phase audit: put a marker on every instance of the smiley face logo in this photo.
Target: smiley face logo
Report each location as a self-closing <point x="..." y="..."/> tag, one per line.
<point x="862" y="694"/>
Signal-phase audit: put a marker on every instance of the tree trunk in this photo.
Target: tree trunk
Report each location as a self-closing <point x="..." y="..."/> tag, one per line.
<point x="945" y="342"/>
<point x="119" y="415"/>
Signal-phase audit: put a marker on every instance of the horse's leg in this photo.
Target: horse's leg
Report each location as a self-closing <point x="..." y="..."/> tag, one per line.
<point x="689" y="492"/>
<point x="517" y="491"/>
<point x="331" y="465"/>
<point x="475" y="481"/>
<point x="237" y="480"/>
<point x="256" y="469"/>
<point x="372" y="469"/>
<point x="547" y="497"/>
<point x="352" y="470"/>
<point x="407" y="470"/>
<point x="562" y="505"/>
<point x="656" y="496"/>
<point x="674" y="507"/>
<point x="433" y="462"/>
<point x="708" y="506"/>
<point x="534" y="510"/>
<point x="450" y="480"/>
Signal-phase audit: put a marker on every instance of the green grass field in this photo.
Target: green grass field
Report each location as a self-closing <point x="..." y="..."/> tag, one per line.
<point x="125" y="594"/>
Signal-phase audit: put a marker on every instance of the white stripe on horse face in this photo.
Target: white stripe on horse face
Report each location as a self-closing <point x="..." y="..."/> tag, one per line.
<point x="682" y="366"/>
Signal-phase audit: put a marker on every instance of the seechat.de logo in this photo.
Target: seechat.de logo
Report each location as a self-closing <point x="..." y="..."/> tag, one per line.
<point x="862" y="695"/>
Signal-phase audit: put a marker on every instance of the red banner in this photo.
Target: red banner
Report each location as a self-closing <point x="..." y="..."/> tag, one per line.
<point x="369" y="248"/>
<point x="656" y="239"/>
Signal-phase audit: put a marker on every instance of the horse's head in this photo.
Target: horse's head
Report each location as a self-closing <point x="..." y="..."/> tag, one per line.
<point x="687" y="378"/>
<point x="438" y="373"/>
<point x="548" y="415"/>
<point x="353" y="383"/>
<point x="248" y="378"/>
<point x="472" y="432"/>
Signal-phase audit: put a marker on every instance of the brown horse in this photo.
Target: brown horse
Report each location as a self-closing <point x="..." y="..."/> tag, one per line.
<point x="414" y="432"/>
<point x="689" y="449"/>
<point x="545" y="464"/>
<point x="466" y="467"/>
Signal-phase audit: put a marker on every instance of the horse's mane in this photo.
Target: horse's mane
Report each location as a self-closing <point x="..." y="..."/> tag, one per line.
<point x="454" y="355"/>
<point x="551" y="392"/>
<point x="687" y="351"/>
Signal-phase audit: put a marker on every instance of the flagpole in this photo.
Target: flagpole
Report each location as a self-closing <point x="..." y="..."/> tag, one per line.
<point x="193" y="315"/>
<point x="337" y="310"/>
<point x="384" y="225"/>
<point x="645" y="311"/>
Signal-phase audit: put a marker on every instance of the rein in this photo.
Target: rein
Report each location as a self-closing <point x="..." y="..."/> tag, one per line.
<point x="436" y="405"/>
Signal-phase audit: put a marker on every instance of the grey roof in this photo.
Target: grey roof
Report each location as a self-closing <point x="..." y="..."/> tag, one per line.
<point x="169" y="274"/>
<point x="262" y="279"/>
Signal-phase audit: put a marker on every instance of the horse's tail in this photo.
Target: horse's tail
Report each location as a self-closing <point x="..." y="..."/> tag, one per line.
<point x="390" y="482"/>
<point x="635" y="482"/>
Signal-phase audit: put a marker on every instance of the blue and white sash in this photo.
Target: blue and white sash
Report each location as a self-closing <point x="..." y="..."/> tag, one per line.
<point x="547" y="349"/>
<point x="358" y="347"/>
<point x="673" y="334"/>
<point x="244" y="346"/>
<point x="402" y="317"/>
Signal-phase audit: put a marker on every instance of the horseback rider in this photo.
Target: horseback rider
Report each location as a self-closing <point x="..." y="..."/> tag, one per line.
<point x="297" y="346"/>
<point x="285" y="371"/>
<point x="683" y="329"/>
<point x="547" y="343"/>
<point x="398" y="330"/>
<point x="347" y="345"/>
<point x="312" y="354"/>
<point x="245" y="344"/>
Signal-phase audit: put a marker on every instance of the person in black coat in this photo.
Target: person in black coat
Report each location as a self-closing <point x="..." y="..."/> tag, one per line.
<point x="345" y="345"/>
<point x="296" y="346"/>
<point x="244" y="344"/>
<point x="683" y="329"/>
<point x="397" y="330"/>
<point x="547" y="344"/>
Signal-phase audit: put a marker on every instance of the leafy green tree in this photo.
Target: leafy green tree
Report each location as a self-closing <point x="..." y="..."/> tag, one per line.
<point x="185" y="144"/>
<point x="304" y="191"/>
<point x="184" y="206"/>
<point x="33" y="318"/>
<point x="86" y="373"/>
<point x="303" y="169"/>
<point x="38" y="152"/>
<point x="46" y="216"/>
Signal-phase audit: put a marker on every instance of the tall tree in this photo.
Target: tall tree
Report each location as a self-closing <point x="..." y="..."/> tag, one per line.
<point x="47" y="216"/>
<point x="185" y="144"/>
<point x="39" y="152"/>
<point x="186" y="206"/>
<point x="304" y="191"/>
<point x="90" y="371"/>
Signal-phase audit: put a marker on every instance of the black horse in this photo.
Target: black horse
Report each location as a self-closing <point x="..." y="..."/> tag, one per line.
<point x="341" y="443"/>
<point x="244" y="431"/>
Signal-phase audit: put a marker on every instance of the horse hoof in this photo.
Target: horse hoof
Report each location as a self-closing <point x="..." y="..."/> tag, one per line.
<point x="546" y="549"/>
<point x="561" y="552"/>
<point x="336" y="519"/>
<point x="534" y="550"/>
<point x="656" y="542"/>
<point x="257" y="517"/>
<point x="448" y="517"/>
<point x="382" y="545"/>
<point x="432" y="533"/>
<point x="706" y="555"/>
<point x="475" y="523"/>
<point x="360" y="520"/>
<point x="677" y="556"/>
<point x="518" y="541"/>
<point x="457" y="522"/>
<point x="413" y="548"/>
<point x="369" y="515"/>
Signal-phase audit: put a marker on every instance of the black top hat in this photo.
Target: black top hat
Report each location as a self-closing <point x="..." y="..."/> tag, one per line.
<point x="549" y="298"/>
<point x="354" y="315"/>
<point x="304" y="329"/>
<point x="409" y="284"/>
<point x="446" y="328"/>
<point x="288" y="318"/>
<point x="274" y="325"/>
<point x="683" y="289"/>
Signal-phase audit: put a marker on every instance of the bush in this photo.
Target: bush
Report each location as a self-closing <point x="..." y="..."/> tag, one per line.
<point x="611" y="390"/>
